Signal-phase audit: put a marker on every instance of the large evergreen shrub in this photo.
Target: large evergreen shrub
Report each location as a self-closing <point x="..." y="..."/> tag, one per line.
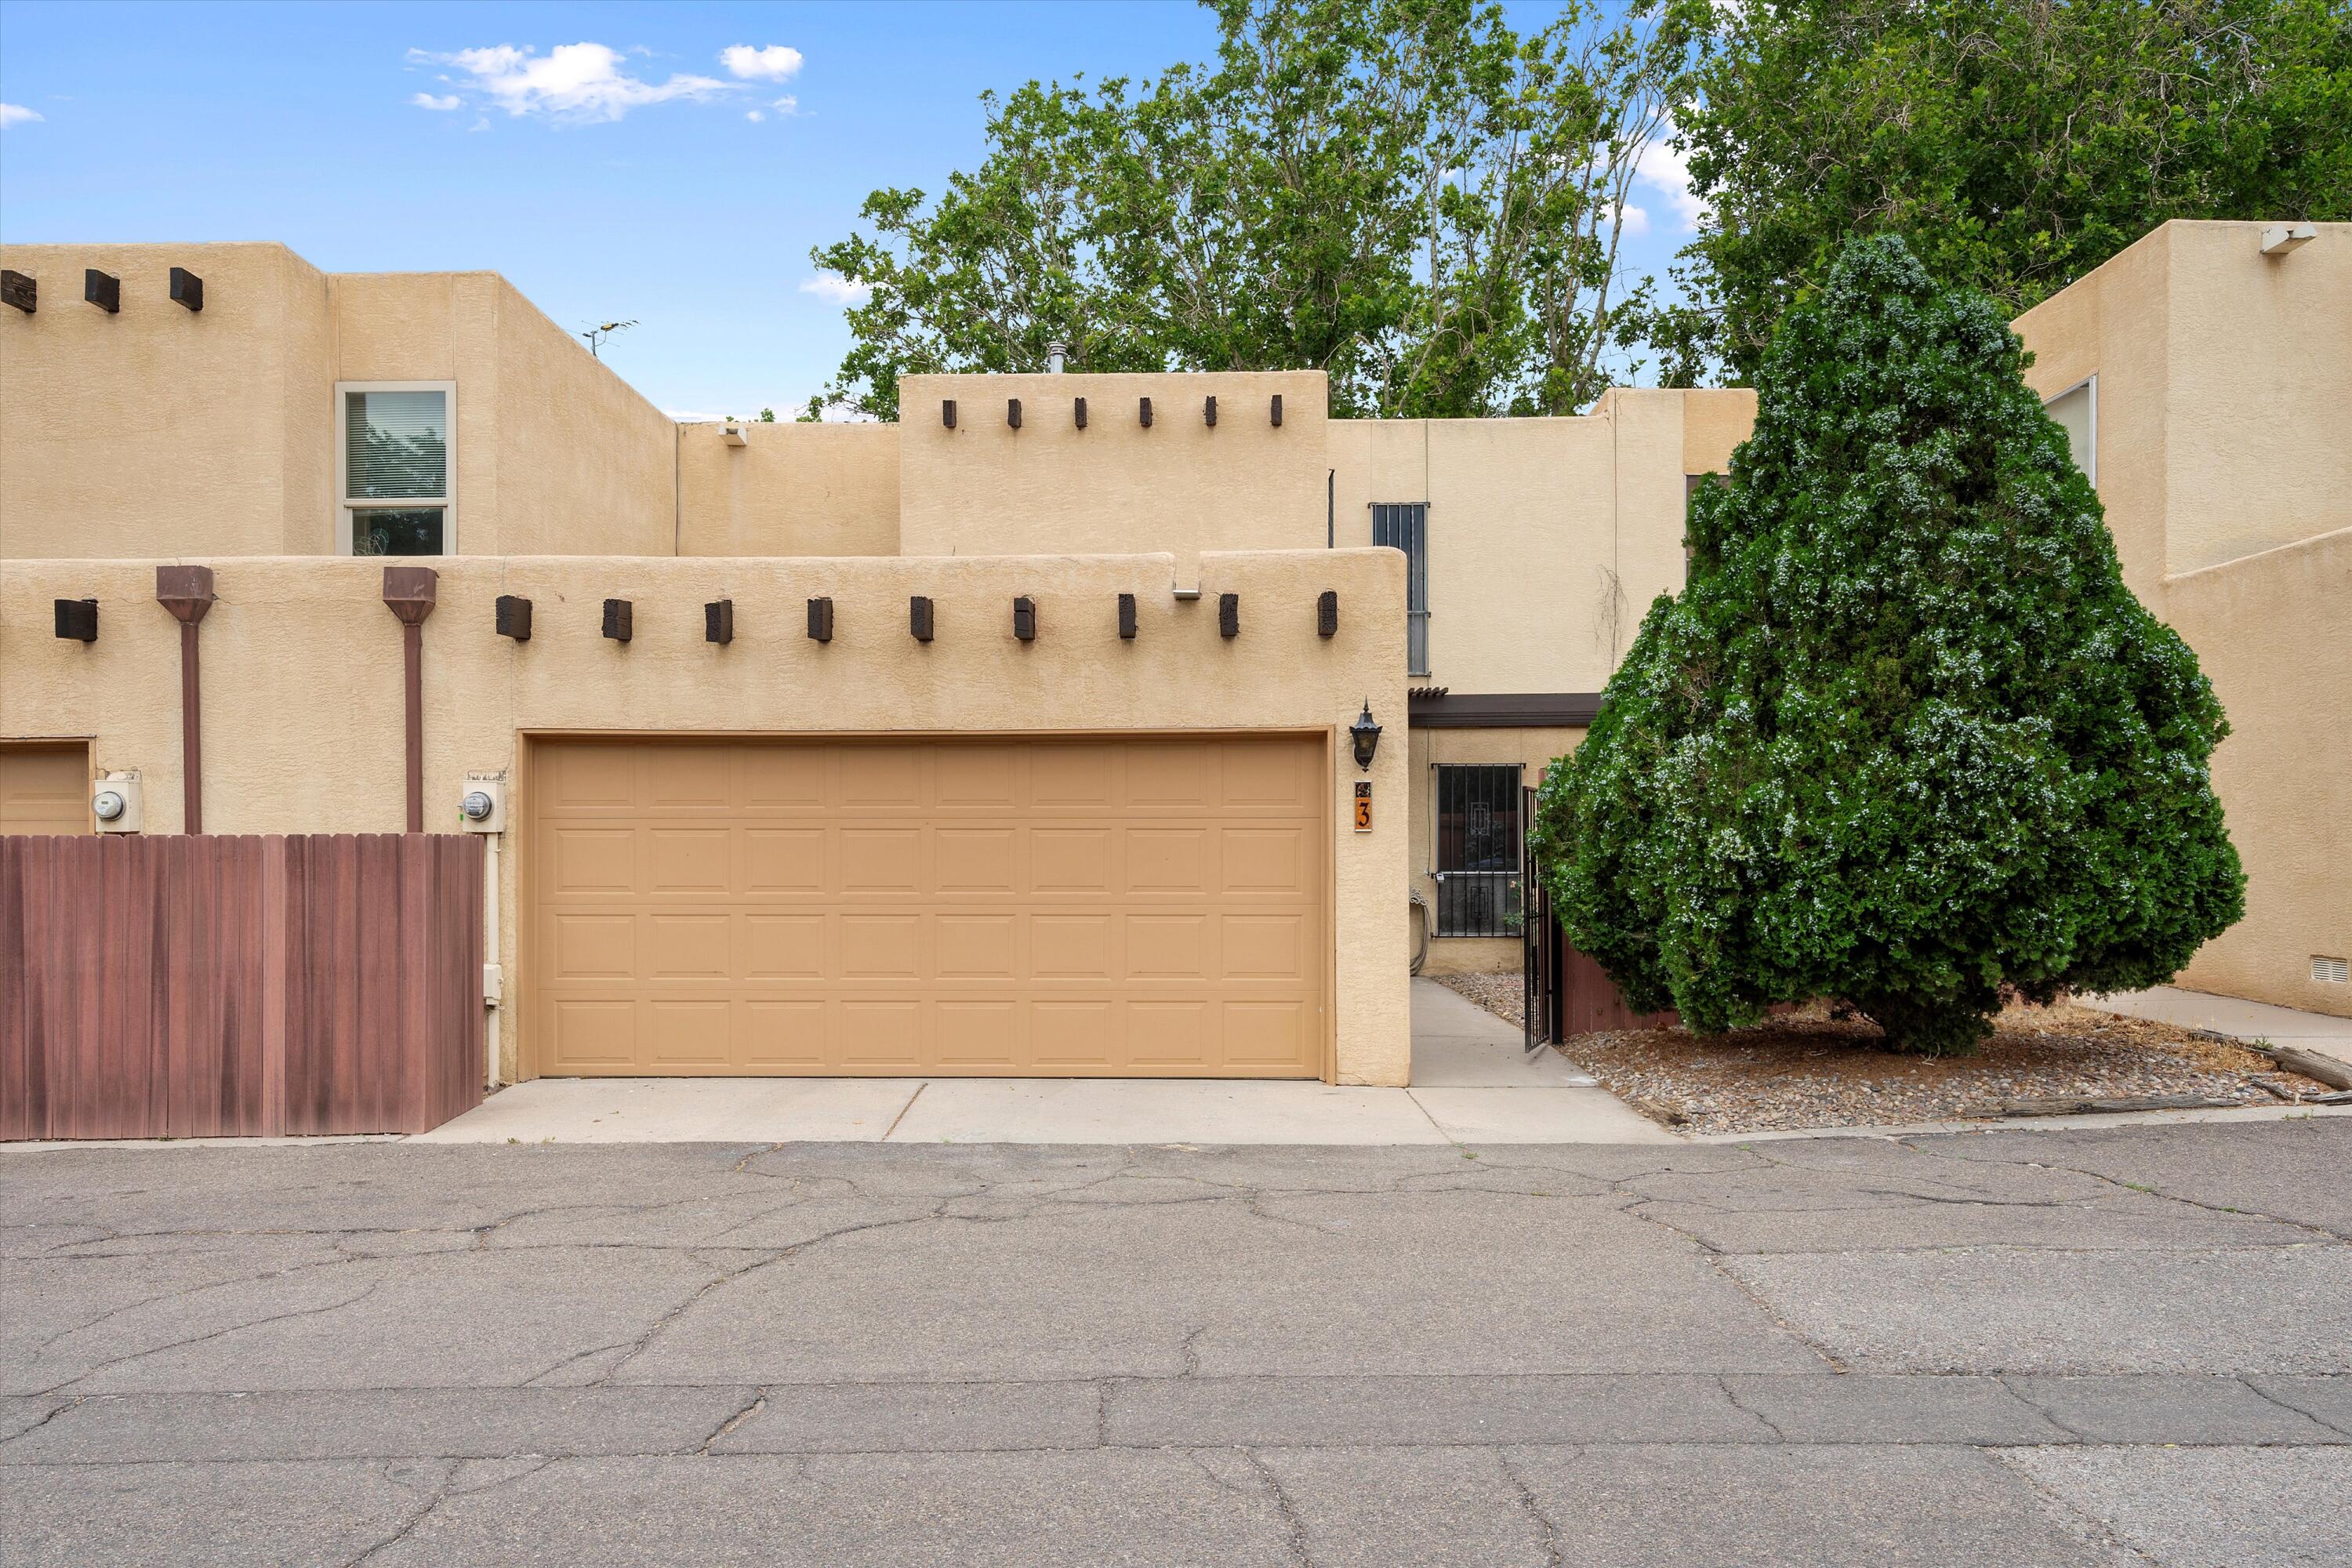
<point x="1905" y="739"/>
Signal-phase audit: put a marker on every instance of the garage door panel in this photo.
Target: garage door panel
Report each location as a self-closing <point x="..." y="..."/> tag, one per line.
<point x="1150" y="907"/>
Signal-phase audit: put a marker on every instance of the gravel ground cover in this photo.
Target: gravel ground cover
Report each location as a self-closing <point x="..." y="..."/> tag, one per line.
<point x="1811" y="1069"/>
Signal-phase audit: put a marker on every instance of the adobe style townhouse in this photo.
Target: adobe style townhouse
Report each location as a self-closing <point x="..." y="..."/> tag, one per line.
<point x="1033" y="734"/>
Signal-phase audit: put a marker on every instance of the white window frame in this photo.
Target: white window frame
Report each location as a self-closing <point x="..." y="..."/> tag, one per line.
<point x="2091" y="383"/>
<point x="343" y="508"/>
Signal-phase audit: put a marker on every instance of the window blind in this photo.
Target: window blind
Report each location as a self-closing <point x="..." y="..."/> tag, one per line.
<point x="395" y="446"/>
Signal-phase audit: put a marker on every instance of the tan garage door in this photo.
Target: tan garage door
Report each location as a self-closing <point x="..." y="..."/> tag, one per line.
<point x="45" y="787"/>
<point x="1039" y="907"/>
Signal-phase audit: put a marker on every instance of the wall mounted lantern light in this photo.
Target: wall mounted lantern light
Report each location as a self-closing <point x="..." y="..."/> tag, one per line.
<point x="1366" y="735"/>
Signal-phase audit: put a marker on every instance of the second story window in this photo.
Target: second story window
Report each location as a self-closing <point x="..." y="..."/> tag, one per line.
<point x="2076" y="410"/>
<point x="397" y="481"/>
<point x="1404" y="525"/>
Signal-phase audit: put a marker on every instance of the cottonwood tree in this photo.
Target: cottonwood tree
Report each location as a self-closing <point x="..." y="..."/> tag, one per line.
<point x="1408" y="194"/>
<point x="2016" y="144"/>
<point x="1905" y="739"/>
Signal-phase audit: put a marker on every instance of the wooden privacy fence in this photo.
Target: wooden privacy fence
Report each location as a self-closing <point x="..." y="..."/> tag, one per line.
<point x="203" y="986"/>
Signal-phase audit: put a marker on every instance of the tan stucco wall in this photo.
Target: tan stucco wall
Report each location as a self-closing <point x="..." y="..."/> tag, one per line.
<point x="1547" y="537"/>
<point x="790" y="490"/>
<point x="1533" y="749"/>
<point x="213" y="433"/>
<point x="302" y="701"/>
<point x="2274" y="633"/>
<point x="1050" y="488"/>
<point x="555" y="454"/>
<point x="161" y="428"/>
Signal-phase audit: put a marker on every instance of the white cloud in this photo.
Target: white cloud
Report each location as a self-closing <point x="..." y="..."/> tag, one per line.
<point x="16" y="114"/>
<point x="442" y="104"/>
<point x="1667" y="171"/>
<point x="774" y="63"/>
<point x="1634" y="220"/>
<point x="836" y="288"/>
<point x="787" y="104"/>
<point x="578" y="82"/>
<point x="754" y="116"/>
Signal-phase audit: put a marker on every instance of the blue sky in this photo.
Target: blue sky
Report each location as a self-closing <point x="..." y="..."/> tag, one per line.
<point x="676" y="170"/>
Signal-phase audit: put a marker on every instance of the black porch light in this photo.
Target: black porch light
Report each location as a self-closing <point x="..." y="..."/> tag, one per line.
<point x="1365" y="733"/>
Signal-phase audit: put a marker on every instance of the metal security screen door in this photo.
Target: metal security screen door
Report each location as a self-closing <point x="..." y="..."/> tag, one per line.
<point x="1478" y="839"/>
<point x="1405" y="526"/>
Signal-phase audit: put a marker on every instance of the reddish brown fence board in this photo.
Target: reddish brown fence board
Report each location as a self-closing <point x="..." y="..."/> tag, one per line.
<point x="204" y="986"/>
<point x="1592" y="1002"/>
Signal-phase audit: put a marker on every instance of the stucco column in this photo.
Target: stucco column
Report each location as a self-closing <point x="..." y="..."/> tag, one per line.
<point x="187" y="593"/>
<point x="409" y="593"/>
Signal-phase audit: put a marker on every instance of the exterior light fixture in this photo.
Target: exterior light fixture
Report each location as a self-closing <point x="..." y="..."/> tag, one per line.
<point x="107" y="806"/>
<point x="1365" y="735"/>
<point x="188" y="289"/>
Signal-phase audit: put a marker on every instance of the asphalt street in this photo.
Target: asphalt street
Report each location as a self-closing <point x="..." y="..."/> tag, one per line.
<point x="2119" y="1347"/>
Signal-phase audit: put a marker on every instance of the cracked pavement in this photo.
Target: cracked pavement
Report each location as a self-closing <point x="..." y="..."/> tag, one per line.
<point x="2111" y="1347"/>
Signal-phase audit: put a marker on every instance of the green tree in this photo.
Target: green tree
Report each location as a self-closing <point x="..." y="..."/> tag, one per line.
<point x="2015" y="144"/>
<point x="1904" y="738"/>
<point x="1408" y="194"/>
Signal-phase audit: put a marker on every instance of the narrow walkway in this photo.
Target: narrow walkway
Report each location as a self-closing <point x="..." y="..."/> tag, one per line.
<point x="2238" y="1019"/>
<point x="1472" y="1083"/>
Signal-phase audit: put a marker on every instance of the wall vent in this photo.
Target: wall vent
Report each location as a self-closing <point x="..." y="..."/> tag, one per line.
<point x="2331" y="971"/>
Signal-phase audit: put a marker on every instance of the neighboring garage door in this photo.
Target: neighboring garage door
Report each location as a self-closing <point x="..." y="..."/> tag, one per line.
<point x="1044" y="907"/>
<point x="45" y="787"/>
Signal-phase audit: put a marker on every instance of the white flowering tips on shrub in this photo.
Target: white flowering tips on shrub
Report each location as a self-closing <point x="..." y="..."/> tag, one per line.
<point x="1905" y="739"/>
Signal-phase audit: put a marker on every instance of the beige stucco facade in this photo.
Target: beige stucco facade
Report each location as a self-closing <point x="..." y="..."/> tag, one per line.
<point x="302" y="697"/>
<point x="2222" y="442"/>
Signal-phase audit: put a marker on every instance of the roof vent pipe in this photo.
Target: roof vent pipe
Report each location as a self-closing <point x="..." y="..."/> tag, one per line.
<point x="1057" y="354"/>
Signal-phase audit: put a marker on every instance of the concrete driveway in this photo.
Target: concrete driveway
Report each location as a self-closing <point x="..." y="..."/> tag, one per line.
<point x="1472" y="1083"/>
<point x="2007" y="1348"/>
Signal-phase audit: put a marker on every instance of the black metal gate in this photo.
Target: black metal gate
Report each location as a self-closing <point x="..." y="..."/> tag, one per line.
<point x="1541" y="948"/>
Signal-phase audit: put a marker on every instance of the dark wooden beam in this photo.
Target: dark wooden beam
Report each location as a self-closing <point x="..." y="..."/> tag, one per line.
<point x="1013" y="411"/>
<point x="102" y="290"/>
<point x="620" y="619"/>
<point x="919" y="617"/>
<point x="719" y="622"/>
<point x="946" y="413"/>
<point x="1326" y="614"/>
<point x="1209" y="411"/>
<point x="1229" y="615"/>
<point x="514" y="617"/>
<point x="1505" y="709"/>
<point x="78" y="619"/>
<point x="19" y="290"/>
<point x="1024" y="618"/>
<point x="1143" y="412"/>
<point x="820" y="620"/>
<point x="1277" y="411"/>
<point x="1079" y="410"/>
<point x="1127" y="617"/>
<point x="188" y="289"/>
